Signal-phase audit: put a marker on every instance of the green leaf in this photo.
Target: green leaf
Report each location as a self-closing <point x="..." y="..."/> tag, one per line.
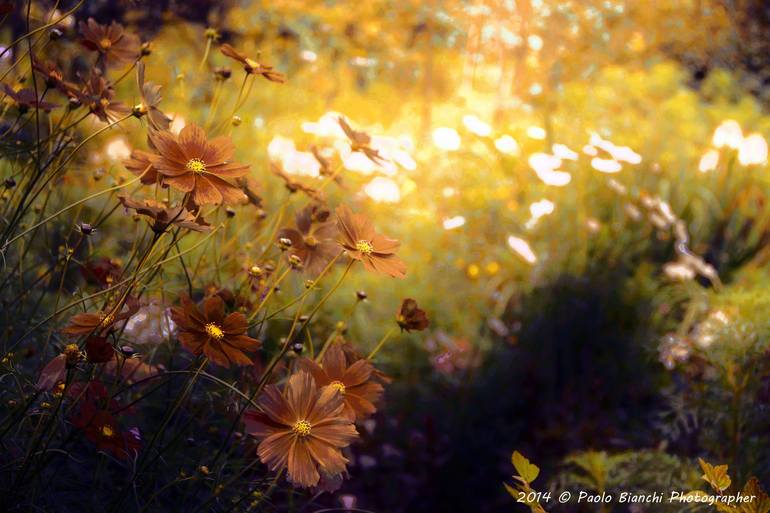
<point x="511" y="490"/>
<point x="527" y="471"/>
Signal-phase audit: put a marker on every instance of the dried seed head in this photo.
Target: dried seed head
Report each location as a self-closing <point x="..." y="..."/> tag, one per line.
<point x="86" y="229"/>
<point x="295" y="261"/>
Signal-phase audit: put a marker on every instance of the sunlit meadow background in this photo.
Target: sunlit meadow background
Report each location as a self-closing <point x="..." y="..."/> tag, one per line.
<point x="581" y="192"/>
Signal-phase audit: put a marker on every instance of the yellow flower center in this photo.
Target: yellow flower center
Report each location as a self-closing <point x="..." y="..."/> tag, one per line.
<point x="105" y="43"/>
<point x="301" y="428"/>
<point x="195" y="165"/>
<point x="365" y="247"/>
<point x="107" y="431"/>
<point x="311" y="241"/>
<point x="214" y="331"/>
<point x="339" y="385"/>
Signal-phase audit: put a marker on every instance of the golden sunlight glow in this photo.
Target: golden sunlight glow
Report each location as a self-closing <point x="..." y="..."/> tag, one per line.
<point x="383" y="190"/>
<point x="728" y="134"/>
<point x="521" y="247"/>
<point x="709" y="161"/>
<point x="753" y="150"/>
<point x="446" y="138"/>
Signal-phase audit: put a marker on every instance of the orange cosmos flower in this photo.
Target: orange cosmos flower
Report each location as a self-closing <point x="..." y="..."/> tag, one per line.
<point x="303" y="429"/>
<point x="313" y="239"/>
<point x="251" y="66"/>
<point x="114" y="45"/>
<point x="377" y="252"/>
<point x="192" y="163"/>
<point x="150" y="96"/>
<point x="360" y="141"/>
<point x="221" y="338"/>
<point x="162" y="216"/>
<point x="353" y="381"/>
<point x="411" y="317"/>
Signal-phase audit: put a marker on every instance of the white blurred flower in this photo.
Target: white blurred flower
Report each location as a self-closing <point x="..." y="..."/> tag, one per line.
<point x="326" y="126"/>
<point x="308" y="56"/>
<point x="151" y="324"/>
<point x="537" y="210"/>
<point x="626" y="154"/>
<point x="541" y="208"/>
<point x="621" y="153"/>
<point x="678" y="271"/>
<point x="279" y="146"/>
<point x="632" y="212"/>
<point x="709" y="161"/>
<point x="177" y="124"/>
<point x="753" y="150"/>
<point x="358" y="162"/>
<point x="508" y="145"/>
<point x="521" y="247"/>
<point x="536" y="132"/>
<point x="672" y="350"/>
<point x="450" y="223"/>
<point x="393" y="149"/>
<point x="544" y="162"/>
<point x="118" y="149"/>
<point x="476" y="125"/>
<point x="446" y="138"/>
<point x="564" y="152"/>
<point x="448" y="192"/>
<point x="545" y="166"/>
<point x="282" y="150"/>
<point x="606" y="165"/>
<point x="728" y="134"/>
<point x="593" y="225"/>
<point x="589" y="150"/>
<point x="706" y="332"/>
<point x="301" y="163"/>
<point x="383" y="190"/>
<point x="363" y="62"/>
<point x="535" y="42"/>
